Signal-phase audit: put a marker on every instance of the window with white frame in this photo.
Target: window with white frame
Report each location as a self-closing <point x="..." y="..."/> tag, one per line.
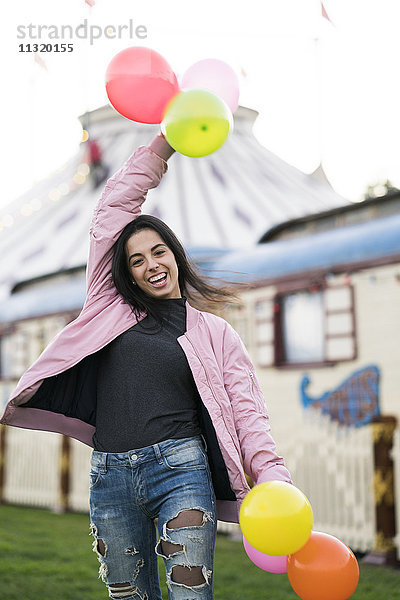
<point x="315" y="325"/>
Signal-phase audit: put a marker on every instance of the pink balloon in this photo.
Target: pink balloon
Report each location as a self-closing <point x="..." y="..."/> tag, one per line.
<point x="272" y="564"/>
<point x="215" y="76"/>
<point x="140" y="83"/>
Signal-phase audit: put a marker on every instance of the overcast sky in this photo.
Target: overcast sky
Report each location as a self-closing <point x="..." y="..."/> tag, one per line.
<point x="325" y="91"/>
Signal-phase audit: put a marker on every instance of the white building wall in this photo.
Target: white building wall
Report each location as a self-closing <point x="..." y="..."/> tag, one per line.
<point x="377" y="318"/>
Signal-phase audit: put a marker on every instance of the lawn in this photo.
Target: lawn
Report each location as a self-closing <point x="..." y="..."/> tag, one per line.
<point x="49" y="556"/>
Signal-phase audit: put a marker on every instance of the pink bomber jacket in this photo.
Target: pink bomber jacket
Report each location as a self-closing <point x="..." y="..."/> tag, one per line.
<point x="55" y="393"/>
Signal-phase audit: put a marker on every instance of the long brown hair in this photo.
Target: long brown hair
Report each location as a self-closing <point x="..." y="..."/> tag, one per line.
<point x="204" y="292"/>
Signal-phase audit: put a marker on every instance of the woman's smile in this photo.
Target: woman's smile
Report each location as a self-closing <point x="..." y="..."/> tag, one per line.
<point x="159" y="280"/>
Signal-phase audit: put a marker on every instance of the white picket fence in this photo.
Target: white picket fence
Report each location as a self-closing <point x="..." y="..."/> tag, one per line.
<point x="332" y="465"/>
<point x="396" y="473"/>
<point x="32" y="466"/>
<point x="79" y="480"/>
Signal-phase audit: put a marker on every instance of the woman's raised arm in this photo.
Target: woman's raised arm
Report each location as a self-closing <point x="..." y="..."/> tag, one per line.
<point x="119" y="204"/>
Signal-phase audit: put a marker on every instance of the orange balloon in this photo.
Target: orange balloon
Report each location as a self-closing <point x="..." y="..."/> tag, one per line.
<point x="324" y="569"/>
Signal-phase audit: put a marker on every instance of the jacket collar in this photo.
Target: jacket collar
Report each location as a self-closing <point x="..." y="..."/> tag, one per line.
<point x="192" y="316"/>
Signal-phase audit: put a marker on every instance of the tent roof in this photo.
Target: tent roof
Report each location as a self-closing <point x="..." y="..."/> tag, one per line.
<point x="228" y="199"/>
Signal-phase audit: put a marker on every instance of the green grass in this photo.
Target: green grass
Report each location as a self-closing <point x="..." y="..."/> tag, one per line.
<point x="47" y="556"/>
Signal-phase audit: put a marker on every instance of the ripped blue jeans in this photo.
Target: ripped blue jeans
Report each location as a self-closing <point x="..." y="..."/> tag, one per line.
<point x="169" y="481"/>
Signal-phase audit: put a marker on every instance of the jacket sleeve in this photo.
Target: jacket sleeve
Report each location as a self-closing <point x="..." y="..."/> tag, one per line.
<point x="119" y="204"/>
<point x="250" y="414"/>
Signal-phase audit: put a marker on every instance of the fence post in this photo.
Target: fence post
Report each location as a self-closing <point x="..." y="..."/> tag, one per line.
<point x="383" y="428"/>
<point x="65" y="465"/>
<point x="3" y="436"/>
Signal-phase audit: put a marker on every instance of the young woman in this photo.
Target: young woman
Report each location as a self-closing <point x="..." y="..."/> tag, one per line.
<point x="165" y="393"/>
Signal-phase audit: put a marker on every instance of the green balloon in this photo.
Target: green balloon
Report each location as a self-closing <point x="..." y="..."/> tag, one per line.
<point x="196" y="122"/>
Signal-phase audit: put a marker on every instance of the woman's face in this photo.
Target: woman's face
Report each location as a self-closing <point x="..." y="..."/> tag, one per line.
<point x="152" y="264"/>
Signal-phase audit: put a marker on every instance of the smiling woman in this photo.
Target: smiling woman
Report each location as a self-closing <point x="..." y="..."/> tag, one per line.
<point x="160" y="390"/>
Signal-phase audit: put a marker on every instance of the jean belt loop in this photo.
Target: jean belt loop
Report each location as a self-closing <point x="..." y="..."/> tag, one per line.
<point x="204" y="441"/>
<point x="158" y="454"/>
<point x="103" y="467"/>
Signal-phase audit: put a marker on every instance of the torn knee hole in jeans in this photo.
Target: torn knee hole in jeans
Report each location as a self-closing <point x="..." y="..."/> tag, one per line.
<point x="169" y="548"/>
<point x="99" y="546"/>
<point x="191" y="517"/>
<point x="122" y="590"/>
<point x="188" y="576"/>
<point x="185" y="518"/>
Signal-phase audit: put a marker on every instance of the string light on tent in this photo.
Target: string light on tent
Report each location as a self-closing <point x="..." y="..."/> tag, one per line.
<point x="54" y="195"/>
<point x="26" y="210"/>
<point x="79" y="178"/>
<point x="84" y="169"/>
<point x="64" y="189"/>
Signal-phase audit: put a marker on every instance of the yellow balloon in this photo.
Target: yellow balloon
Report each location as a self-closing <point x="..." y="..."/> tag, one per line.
<point x="276" y="518"/>
<point x="196" y="122"/>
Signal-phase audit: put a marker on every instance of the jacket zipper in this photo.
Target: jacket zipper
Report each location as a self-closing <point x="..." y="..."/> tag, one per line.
<point x="252" y="384"/>
<point x="252" y="381"/>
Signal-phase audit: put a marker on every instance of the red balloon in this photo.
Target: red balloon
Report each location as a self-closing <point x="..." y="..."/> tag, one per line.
<point x="140" y="83"/>
<point x="323" y="569"/>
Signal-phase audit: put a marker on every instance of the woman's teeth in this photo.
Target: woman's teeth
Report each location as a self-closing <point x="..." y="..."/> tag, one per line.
<point x="159" y="280"/>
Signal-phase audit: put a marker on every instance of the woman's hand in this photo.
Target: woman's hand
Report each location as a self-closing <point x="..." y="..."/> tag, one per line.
<point x="160" y="146"/>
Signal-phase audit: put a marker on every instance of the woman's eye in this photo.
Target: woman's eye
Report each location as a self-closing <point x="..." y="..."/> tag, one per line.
<point x="137" y="262"/>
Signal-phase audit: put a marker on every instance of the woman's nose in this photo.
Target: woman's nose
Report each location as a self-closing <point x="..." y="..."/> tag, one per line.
<point x="152" y="263"/>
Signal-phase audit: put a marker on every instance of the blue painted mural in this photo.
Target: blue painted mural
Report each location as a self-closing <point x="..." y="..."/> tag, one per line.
<point x="354" y="402"/>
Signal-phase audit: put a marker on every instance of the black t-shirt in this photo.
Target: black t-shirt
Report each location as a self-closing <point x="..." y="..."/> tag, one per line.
<point x="145" y="388"/>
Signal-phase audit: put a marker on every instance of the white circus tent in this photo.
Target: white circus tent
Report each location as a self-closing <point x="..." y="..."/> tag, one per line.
<point x="224" y="201"/>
